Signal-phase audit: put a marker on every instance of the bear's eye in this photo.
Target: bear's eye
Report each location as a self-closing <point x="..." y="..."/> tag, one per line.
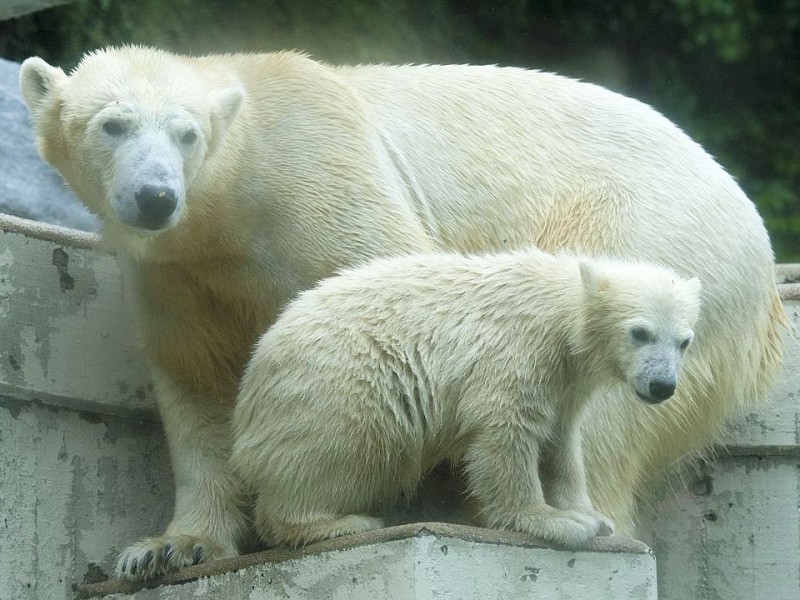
<point x="189" y="138"/>
<point x="685" y="344"/>
<point x="641" y="335"/>
<point x="114" y="127"/>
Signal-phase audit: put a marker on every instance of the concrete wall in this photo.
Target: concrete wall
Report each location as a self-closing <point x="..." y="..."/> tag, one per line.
<point x="82" y="458"/>
<point x="83" y="468"/>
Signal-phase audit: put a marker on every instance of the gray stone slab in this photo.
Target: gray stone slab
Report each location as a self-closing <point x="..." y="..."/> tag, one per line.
<point x="29" y="187"/>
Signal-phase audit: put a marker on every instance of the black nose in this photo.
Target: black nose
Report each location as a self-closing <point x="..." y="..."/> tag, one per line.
<point x="661" y="389"/>
<point x="156" y="202"/>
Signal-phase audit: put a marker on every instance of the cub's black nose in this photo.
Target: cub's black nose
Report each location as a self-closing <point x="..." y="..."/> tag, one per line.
<point x="156" y="203"/>
<point x="661" y="389"/>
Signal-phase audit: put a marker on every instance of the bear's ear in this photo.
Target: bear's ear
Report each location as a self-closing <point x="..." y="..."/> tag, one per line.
<point x="593" y="281"/>
<point x="225" y="105"/>
<point x="38" y="82"/>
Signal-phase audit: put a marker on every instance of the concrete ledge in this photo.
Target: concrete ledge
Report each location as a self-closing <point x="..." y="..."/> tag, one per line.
<point x="416" y="561"/>
<point x="68" y="339"/>
<point x="773" y="427"/>
<point x="49" y="233"/>
<point x="787" y="272"/>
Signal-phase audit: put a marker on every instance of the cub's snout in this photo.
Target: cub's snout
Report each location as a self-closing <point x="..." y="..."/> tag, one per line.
<point x="659" y="390"/>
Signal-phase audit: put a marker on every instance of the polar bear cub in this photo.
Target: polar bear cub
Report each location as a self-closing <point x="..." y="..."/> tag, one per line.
<point x="372" y="378"/>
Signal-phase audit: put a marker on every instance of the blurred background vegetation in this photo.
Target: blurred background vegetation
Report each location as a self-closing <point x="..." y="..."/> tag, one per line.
<point x="726" y="71"/>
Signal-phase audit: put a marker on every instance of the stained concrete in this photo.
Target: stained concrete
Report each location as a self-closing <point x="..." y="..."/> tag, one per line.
<point x="419" y="561"/>
<point x="65" y="323"/>
<point x="74" y="488"/>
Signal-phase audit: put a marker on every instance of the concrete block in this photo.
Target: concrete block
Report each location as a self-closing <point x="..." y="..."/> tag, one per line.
<point x="773" y="428"/>
<point x="420" y="562"/>
<point x="733" y="534"/>
<point x="65" y="323"/>
<point x="75" y="487"/>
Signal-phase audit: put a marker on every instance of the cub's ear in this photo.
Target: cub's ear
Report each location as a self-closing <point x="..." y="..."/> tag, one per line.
<point x="225" y="105"/>
<point x="39" y="84"/>
<point x="593" y="280"/>
<point x="695" y="287"/>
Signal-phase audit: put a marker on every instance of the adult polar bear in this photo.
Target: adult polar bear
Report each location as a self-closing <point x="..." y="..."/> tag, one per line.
<point x="227" y="184"/>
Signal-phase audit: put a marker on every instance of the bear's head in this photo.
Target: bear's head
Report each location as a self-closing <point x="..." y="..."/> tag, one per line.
<point x="130" y="130"/>
<point x="639" y="322"/>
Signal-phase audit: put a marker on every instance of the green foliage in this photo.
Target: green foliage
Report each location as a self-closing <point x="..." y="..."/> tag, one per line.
<point x="374" y="30"/>
<point x="725" y="70"/>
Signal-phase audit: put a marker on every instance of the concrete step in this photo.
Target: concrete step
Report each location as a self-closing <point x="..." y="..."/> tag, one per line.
<point x="419" y="561"/>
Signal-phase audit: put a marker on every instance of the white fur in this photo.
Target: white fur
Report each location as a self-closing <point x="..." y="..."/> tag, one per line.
<point x="310" y="168"/>
<point x="376" y="376"/>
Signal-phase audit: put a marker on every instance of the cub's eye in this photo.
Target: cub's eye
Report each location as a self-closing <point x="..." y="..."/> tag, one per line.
<point x="641" y="335"/>
<point x="685" y="344"/>
<point x="114" y="127"/>
<point x="189" y="138"/>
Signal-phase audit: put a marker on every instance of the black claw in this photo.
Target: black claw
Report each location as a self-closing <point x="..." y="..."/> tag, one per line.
<point x="147" y="559"/>
<point x="197" y="555"/>
<point x="134" y="566"/>
<point x="125" y="565"/>
<point x="169" y="550"/>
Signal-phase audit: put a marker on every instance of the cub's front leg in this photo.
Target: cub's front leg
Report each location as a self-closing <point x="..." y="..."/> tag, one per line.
<point x="564" y="476"/>
<point x="501" y="466"/>
<point x="209" y="519"/>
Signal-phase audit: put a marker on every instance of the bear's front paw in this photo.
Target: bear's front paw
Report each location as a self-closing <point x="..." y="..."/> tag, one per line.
<point x="157" y="556"/>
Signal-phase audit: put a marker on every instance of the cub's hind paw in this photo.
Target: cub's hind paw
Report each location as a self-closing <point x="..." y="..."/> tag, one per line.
<point x="300" y="534"/>
<point x="153" y="557"/>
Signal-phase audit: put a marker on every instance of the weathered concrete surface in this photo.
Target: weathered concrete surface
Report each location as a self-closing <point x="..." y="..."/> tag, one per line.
<point x="733" y="535"/>
<point x="29" y="187"/>
<point x="75" y="487"/>
<point x="65" y="326"/>
<point x="422" y="561"/>
<point x="76" y="484"/>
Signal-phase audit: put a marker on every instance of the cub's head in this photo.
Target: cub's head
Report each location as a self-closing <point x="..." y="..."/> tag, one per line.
<point x="130" y="130"/>
<point x="639" y="322"/>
